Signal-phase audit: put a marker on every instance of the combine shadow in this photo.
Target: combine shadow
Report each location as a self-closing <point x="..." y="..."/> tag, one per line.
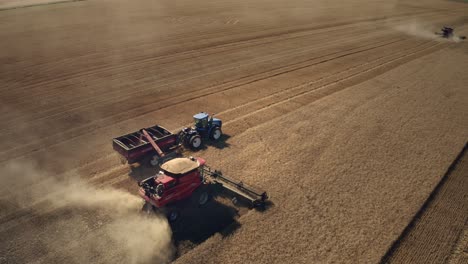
<point x="197" y="224"/>
<point x="219" y="216"/>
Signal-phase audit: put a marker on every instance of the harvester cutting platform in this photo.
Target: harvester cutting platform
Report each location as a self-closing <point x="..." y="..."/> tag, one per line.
<point x="189" y="178"/>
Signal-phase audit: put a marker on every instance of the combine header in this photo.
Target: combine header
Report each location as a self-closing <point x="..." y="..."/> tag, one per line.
<point x="255" y="197"/>
<point x="189" y="178"/>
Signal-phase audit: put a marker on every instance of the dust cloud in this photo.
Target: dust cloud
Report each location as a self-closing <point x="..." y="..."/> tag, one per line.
<point x="424" y="30"/>
<point x="418" y="29"/>
<point x="106" y="221"/>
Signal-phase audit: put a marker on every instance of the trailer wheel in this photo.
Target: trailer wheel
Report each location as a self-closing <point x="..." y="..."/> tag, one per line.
<point x="216" y="133"/>
<point x="122" y="160"/>
<point x="147" y="209"/>
<point x="154" y="161"/>
<point x="195" y="142"/>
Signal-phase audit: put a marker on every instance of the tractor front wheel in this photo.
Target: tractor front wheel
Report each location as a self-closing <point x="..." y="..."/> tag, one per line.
<point x="216" y="133"/>
<point x="195" y="142"/>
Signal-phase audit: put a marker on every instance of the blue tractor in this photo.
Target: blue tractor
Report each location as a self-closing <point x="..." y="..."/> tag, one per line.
<point x="205" y="127"/>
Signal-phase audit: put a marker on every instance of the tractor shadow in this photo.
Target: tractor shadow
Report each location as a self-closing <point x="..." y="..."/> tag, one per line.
<point x="197" y="224"/>
<point x="219" y="144"/>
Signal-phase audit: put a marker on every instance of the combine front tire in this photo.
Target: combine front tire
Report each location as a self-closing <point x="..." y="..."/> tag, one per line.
<point x="200" y="196"/>
<point x="216" y="133"/>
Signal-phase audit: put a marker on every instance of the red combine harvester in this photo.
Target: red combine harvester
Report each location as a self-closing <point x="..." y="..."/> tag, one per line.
<point x="184" y="178"/>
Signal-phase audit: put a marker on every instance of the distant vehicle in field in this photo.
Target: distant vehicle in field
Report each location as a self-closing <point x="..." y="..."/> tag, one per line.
<point x="205" y="126"/>
<point x="154" y="145"/>
<point x="189" y="178"/>
<point x="447" y="32"/>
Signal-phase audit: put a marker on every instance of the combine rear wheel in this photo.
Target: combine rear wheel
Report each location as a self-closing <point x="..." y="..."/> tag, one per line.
<point x="203" y="198"/>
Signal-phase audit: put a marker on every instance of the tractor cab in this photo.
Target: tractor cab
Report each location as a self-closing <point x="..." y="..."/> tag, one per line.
<point x="202" y="120"/>
<point x="207" y="126"/>
<point x="205" y="121"/>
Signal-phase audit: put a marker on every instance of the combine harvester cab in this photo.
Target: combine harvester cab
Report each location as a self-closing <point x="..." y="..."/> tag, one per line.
<point x="184" y="178"/>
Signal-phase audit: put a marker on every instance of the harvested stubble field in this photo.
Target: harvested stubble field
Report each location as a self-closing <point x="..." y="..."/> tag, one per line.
<point x="347" y="113"/>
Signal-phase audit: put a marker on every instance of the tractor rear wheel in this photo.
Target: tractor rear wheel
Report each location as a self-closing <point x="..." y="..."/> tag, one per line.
<point x="195" y="142"/>
<point x="216" y="133"/>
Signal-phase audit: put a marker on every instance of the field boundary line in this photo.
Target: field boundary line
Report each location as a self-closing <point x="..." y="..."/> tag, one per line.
<point x="432" y="196"/>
